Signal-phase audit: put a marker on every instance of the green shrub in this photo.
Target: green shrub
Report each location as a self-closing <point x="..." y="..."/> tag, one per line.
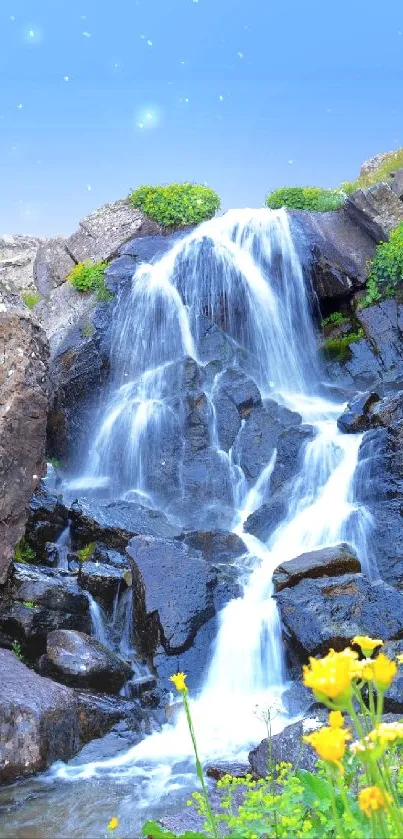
<point x="335" y="319"/>
<point x="29" y="604"/>
<point x="88" y="330"/>
<point x="23" y="552"/>
<point x="339" y="348"/>
<point x="31" y="298"/>
<point x="90" y="276"/>
<point x="86" y="553"/>
<point x="176" y="204"/>
<point x="382" y="173"/>
<point x="17" y="650"/>
<point x="305" y="198"/>
<point x="386" y="270"/>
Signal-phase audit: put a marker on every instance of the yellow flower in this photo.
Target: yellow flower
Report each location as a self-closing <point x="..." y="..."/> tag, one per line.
<point x="329" y="743"/>
<point x="371" y="799"/>
<point x="179" y="681"/>
<point x="336" y="719"/>
<point x="113" y="824"/>
<point x="363" y="670"/>
<point x="366" y="644"/>
<point x="330" y="677"/>
<point x="384" y="671"/>
<point x="399" y="658"/>
<point x="386" y="732"/>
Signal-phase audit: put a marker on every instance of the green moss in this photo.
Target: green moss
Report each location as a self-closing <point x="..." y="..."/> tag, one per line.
<point x="176" y="204"/>
<point x="86" y="553"/>
<point x="305" y="198"/>
<point x="29" y="604"/>
<point x="335" y="319"/>
<point x="24" y="553"/>
<point x="88" y="331"/>
<point x="31" y="298"/>
<point x="90" y="276"/>
<point x="17" y="650"/>
<point x="382" y="173"/>
<point x="338" y="349"/>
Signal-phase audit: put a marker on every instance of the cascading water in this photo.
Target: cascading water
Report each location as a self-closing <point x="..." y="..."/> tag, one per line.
<point x="237" y="283"/>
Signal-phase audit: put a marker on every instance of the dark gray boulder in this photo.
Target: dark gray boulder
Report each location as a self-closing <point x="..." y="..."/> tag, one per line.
<point x="256" y="442"/>
<point x="326" y="562"/>
<point x="99" y="712"/>
<point x="376" y="209"/>
<point x="263" y="522"/>
<point x="172" y="591"/>
<point x="116" y="522"/>
<point x="397" y="183"/>
<point x="357" y="416"/>
<point x="328" y="612"/>
<point x="240" y="389"/>
<point x="80" y="661"/>
<point x="217" y="546"/>
<point x="228" y="421"/>
<point x="287" y="747"/>
<point x="102" y="581"/>
<point x="38" y="720"/>
<point x="290" y="448"/>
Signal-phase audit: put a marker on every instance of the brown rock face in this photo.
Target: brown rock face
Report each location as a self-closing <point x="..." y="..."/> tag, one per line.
<point x="23" y="410"/>
<point x="377" y="210"/>
<point x="38" y="720"/>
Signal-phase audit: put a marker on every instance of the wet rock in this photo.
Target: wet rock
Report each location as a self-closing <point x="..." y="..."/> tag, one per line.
<point x="206" y="478"/>
<point x="263" y="522"/>
<point x="51" y="589"/>
<point x="256" y="442"/>
<point x="48" y="517"/>
<point x="287" y="747"/>
<point x="172" y="591"/>
<point x="214" y="344"/>
<point x="328" y="612"/>
<point x="326" y="562"/>
<point x="98" y="713"/>
<point x="356" y="416"/>
<point x="383" y="327"/>
<point x="394" y="696"/>
<point x="120" y="272"/>
<point x="290" y="448"/>
<point x="102" y="581"/>
<point x="338" y="251"/>
<point x="241" y="390"/>
<point x="117" y="522"/>
<point x="101" y="234"/>
<point x="217" y="546"/>
<point x="377" y="210"/>
<point x="228" y="421"/>
<point x="297" y="700"/>
<point x="78" y="660"/>
<point x="194" y="661"/>
<point x="197" y="423"/>
<point x="23" y="410"/>
<point x="38" y="720"/>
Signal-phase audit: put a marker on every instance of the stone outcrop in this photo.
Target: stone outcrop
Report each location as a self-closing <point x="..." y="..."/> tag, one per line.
<point x="326" y="562"/>
<point x="38" y="720"/>
<point x="17" y="258"/>
<point x="23" y="411"/>
<point x="397" y="183"/>
<point x="80" y="661"/>
<point x="377" y="210"/>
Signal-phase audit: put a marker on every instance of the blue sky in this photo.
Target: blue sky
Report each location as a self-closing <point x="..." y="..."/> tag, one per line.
<point x="98" y="96"/>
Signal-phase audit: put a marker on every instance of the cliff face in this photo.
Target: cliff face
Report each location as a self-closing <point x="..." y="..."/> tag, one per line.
<point x="23" y="410"/>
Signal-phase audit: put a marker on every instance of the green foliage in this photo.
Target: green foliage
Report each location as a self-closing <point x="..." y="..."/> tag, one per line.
<point x="55" y="462"/>
<point x="382" y="173"/>
<point x="29" y="604"/>
<point x="90" y="276"/>
<point x="86" y="553"/>
<point x="335" y="319"/>
<point x="16" y="648"/>
<point x="339" y="348"/>
<point x="176" y="205"/>
<point x="23" y="552"/>
<point x="31" y="298"/>
<point x="153" y="830"/>
<point x="88" y="330"/>
<point x="305" y="198"/>
<point x="387" y="265"/>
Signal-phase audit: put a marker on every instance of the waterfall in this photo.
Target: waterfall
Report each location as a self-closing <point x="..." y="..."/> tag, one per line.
<point x="240" y="273"/>
<point x="98" y="621"/>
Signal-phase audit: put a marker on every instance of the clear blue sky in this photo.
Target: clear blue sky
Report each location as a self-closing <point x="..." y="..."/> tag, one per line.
<point x="98" y="96"/>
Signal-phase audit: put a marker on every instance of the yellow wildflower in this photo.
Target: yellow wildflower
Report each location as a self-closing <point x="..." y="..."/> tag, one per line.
<point x="399" y="658"/>
<point x="113" y="824"/>
<point x="371" y="799"/>
<point x="329" y="743"/>
<point x="179" y="681"/>
<point x="330" y="677"/>
<point x="363" y="670"/>
<point x="366" y="644"/>
<point x="336" y="719"/>
<point x="384" y="671"/>
<point x="386" y="732"/>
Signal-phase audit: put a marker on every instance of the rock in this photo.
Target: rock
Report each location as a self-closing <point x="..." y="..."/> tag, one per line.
<point x="207" y="500"/>
<point x="338" y="251"/>
<point x="23" y="410"/>
<point x="52" y="265"/>
<point x="328" y="612"/>
<point x="371" y="166"/>
<point x="287" y="747"/>
<point x="52" y="589"/>
<point x="17" y="257"/>
<point x="256" y="442"/>
<point x="48" y="517"/>
<point x="297" y="700"/>
<point x="98" y="713"/>
<point x="102" y="581"/>
<point x="326" y="562"/>
<point x="217" y="546"/>
<point x="356" y="416"/>
<point x="101" y="234"/>
<point x="228" y="421"/>
<point x="117" y="522"/>
<point x="377" y="210"/>
<point x="194" y="661"/>
<point x="241" y="390"/>
<point x="38" y="720"/>
<point x="263" y="522"/>
<point x="394" y="696"/>
<point x="397" y="183"/>
<point x="291" y="445"/>
<point x="76" y="659"/>
<point x="172" y="591"/>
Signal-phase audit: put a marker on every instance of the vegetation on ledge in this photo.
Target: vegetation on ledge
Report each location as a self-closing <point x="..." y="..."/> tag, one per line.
<point x="90" y="276"/>
<point x="176" y="205"/>
<point x="338" y="348"/>
<point x="86" y="553"/>
<point x="24" y="553"/>
<point x="305" y="198"/>
<point x="31" y="298"/>
<point x="382" y="173"/>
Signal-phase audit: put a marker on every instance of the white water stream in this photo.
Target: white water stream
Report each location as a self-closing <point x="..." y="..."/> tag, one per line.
<point x="243" y="272"/>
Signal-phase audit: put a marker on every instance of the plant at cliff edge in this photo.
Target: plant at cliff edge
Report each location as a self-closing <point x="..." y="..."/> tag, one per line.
<point x="90" y="276"/>
<point x="176" y="205"/>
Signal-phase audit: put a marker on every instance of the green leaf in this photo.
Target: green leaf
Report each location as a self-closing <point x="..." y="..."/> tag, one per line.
<point x="316" y="788"/>
<point x="153" y="830"/>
